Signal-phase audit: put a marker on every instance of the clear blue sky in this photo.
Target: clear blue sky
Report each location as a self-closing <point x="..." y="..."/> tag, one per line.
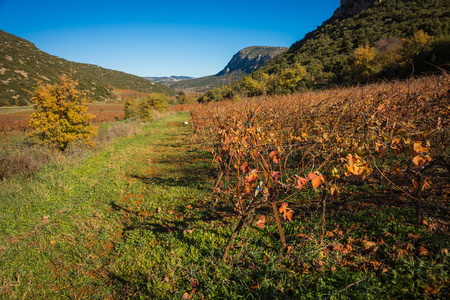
<point x="160" y="38"/>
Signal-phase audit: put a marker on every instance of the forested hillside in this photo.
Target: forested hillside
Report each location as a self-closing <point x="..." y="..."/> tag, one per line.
<point x="23" y="66"/>
<point x="392" y="38"/>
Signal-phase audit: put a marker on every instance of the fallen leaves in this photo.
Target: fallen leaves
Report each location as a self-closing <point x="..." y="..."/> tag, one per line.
<point x="260" y="222"/>
<point x="422" y="251"/>
<point x="431" y="290"/>
<point x="286" y="211"/>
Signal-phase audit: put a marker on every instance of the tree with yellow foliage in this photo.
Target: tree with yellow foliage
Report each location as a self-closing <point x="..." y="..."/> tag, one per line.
<point x="415" y="45"/>
<point x="364" y="63"/>
<point x="290" y="79"/>
<point x="60" y="118"/>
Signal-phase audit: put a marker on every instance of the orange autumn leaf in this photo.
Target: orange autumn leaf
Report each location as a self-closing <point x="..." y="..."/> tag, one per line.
<point x="431" y="290"/>
<point x="366" y="245"/>
<point x="426" y="184"/>
<point x="420" y="160"/>
<point x="422" y="251"/>
<point x="286" y="211"/>
<point x="334" y="191"/>
<point x="274" y="156"/>
<point x="261" y="221"/>
<point x="316" y="179"/>
<point x="283" y="207"/>
<point x="301" y="181"/>
<point x="419" y="148"/>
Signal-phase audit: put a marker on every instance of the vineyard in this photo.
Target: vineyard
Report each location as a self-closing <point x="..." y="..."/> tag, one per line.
<point x="17" y="121"/>
<point x="281" y="158"/>
<point x="333" y="194"/>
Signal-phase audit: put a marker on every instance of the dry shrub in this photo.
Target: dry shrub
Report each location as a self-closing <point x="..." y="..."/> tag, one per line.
<point x="159" y="115"/>
<point x="109" y="134"/>
<point x="25" y="161"/>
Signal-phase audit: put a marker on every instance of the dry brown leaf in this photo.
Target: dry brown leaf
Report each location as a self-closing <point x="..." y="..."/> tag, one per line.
<point x="431" y="290"/>
<point x="419" y="148"/>
<point x="318" y="265"/>
<point x="422" y="251"/>
<point x="414" y="236"/>
<point x="366" y="245"/>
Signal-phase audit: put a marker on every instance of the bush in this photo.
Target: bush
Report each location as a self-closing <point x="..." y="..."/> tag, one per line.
<point x="146" y="110"/>
<point x="131" y="108"/>
<point x="158" y="101"/>
<point x="60" y="118"/>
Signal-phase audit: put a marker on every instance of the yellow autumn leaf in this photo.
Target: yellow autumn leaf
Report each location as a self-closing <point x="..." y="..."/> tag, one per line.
<point x="419" y="148"/>
<point x="366" y="245"/>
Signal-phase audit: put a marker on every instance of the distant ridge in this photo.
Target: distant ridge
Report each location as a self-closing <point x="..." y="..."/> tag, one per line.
<point x="241" y="64"/>
<point x="172" y="78"/>
<point x="23" y="66"/>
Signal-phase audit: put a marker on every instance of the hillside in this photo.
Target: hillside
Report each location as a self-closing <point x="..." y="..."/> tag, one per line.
<point x="327" y="51"/>
<point x="241" y="64"/>
<point x="23" y="66"/>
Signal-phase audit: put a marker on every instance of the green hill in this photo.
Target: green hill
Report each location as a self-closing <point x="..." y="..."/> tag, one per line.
<point x="327" y="52"/>
<point x="23" y="66"/>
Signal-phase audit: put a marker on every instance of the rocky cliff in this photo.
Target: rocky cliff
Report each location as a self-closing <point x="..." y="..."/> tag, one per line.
<point x="349" y="8"/>
<point x="250" y="59"/>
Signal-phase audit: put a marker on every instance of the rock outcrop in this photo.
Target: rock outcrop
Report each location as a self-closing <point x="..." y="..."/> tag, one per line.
<point x="349" y="8"/>
<point x="250" y="59"/>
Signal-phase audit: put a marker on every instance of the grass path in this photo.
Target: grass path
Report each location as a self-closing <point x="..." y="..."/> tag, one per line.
<point x="74" y="231"/>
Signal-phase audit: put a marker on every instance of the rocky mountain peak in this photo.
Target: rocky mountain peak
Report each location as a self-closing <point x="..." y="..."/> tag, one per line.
<point x="250" y="59"/>
<point x="349" y="8"/>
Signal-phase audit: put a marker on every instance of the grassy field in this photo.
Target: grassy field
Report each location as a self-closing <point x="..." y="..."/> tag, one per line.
<point x="137" y="221"/>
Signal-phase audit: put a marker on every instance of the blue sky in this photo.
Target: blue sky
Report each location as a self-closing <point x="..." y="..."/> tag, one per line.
<point x="160" y="38"/>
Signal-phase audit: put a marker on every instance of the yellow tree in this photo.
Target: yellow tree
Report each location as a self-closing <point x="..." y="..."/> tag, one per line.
<point x="364" y="63"/>
<point x="252" y="86"/>
<point x="415" y="45"/>
<point x="60" y="118"/>
<point x="290" y="79"/>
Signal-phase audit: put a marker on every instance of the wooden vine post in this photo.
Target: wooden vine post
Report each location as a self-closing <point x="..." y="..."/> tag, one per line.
<point x="280" y="229"/>
<point x="322" y="224"/>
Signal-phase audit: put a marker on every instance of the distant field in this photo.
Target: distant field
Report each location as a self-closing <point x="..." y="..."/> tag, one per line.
<point x="16" y="118"/>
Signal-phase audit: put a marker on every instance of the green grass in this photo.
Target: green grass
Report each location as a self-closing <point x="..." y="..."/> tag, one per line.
<point x="135" y="221"/>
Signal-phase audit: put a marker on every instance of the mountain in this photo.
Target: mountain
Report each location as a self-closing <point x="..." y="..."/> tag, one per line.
<point x="250" y="59"/>
<point x="349" y="8"/>
<point x="241" y="64"/>
<point x="23" y="66"/>
<point x="327" y="52"/>
<point x="168" y="79"/>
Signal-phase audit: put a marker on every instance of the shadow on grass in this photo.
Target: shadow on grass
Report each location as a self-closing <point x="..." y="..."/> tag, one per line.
<point x="188" y="169"/>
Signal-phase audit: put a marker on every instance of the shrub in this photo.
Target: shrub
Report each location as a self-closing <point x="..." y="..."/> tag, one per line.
<point x="60" y="118"/>
<point x="131" y="108"/>
<point x="146" y="110"/>
<point x="158" y="101"/>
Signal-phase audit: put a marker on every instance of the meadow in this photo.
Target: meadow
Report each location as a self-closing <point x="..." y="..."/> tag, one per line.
<point x="334" y="194"/>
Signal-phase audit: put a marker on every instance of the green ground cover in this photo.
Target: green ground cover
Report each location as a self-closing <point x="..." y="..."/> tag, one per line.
<point x="136" y="221"/>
